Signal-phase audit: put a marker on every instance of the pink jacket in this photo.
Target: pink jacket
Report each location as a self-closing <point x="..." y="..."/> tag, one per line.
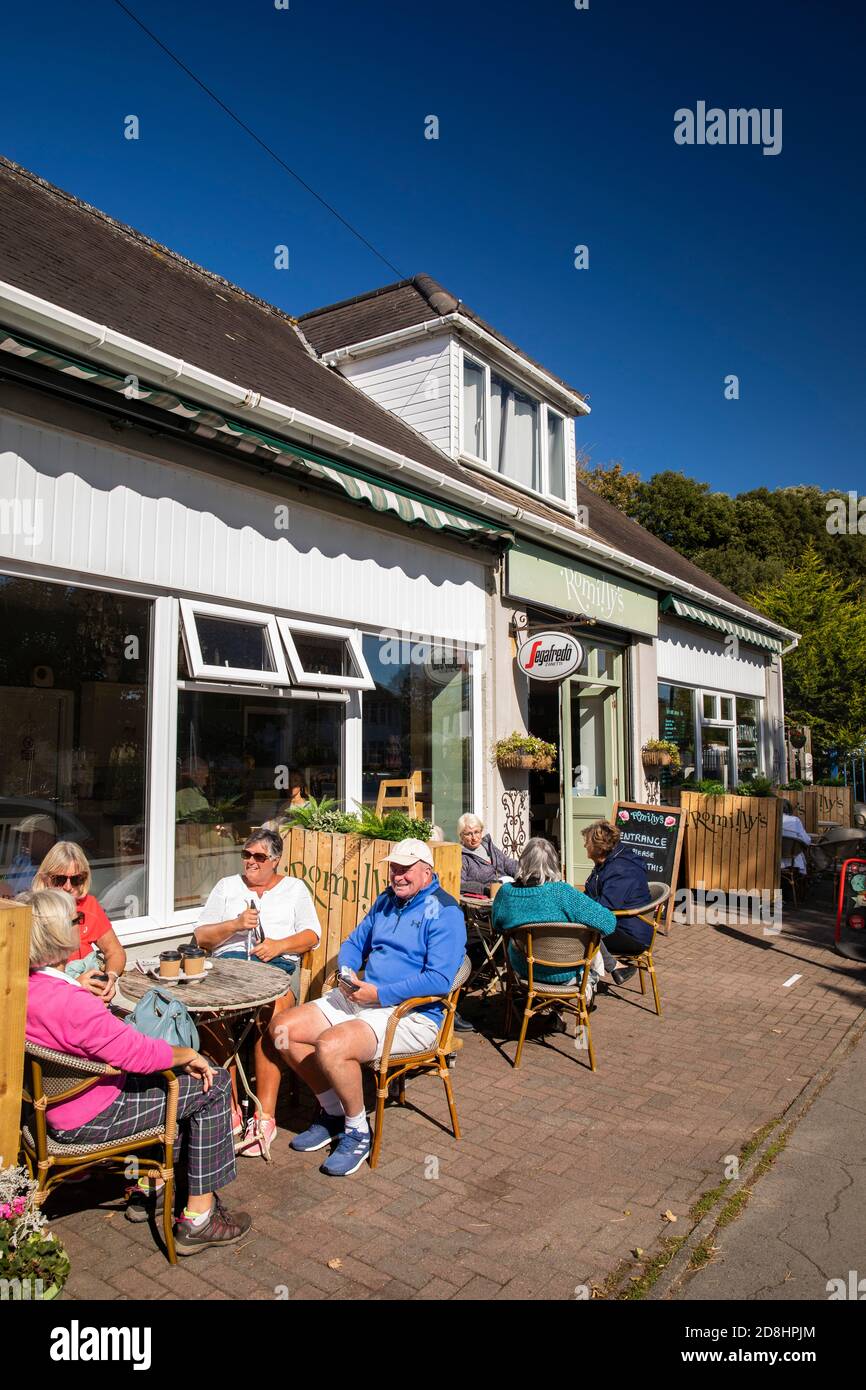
<point x="62" y="1015"/>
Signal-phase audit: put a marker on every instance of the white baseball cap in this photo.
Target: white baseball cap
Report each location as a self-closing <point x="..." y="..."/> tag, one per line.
<point x="31" y="823"/>
<point x="408" y="852"/>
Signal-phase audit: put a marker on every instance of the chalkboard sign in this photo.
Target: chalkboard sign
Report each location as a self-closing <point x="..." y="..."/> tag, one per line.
<point x="851" y="910"/>
<point x="655" y="835"/>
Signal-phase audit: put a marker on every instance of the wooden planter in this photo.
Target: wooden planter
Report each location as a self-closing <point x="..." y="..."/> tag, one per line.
<point x="525" y="762"/>
<point x="733" y="843"/>
<point x="345" y="874"/>
<point x="14" y="975"/>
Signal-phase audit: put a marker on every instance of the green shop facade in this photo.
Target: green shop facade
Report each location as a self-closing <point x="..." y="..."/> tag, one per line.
<point x="654" y="664"/>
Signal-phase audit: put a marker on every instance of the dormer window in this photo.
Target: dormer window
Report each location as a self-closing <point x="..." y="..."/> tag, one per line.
<point x="512" y="432"/>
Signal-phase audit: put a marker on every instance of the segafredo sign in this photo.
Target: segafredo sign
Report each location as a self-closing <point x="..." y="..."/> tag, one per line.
<point x="550" y="656"/>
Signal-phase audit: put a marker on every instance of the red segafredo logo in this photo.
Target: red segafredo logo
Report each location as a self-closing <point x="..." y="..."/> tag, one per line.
<point x="550" y="656"/>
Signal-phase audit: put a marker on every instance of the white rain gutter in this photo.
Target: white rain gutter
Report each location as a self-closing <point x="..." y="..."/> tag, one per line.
<point x="369" y="346"/>
<point x="28" y="312"/>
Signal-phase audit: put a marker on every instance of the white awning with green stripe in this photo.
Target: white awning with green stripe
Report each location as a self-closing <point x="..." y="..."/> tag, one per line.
<point x="705" y="616"/>
<point x="358" y="484"/>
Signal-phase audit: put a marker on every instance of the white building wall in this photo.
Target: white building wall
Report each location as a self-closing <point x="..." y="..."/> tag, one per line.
<point x="413" y="381"/>
<point x="92" y="510"/>
<point x="686" y="655"/>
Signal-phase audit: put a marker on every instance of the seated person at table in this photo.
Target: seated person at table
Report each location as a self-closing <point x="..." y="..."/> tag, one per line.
<point x="260" y="915"/>
<point x="794" y="829"/>
<point x="482" y="861"/>
<point x="38" y="834"/>
<point x="538" y="894"/>
<point x="619" y="880"/>
<point x="65" y="867"/>
<point x="410" y="944"/>
<point x="63" y="1016"/>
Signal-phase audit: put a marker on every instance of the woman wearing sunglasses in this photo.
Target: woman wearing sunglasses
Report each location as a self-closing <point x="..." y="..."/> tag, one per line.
<point x="261" y="915"/>
<point x="65" y="867"/>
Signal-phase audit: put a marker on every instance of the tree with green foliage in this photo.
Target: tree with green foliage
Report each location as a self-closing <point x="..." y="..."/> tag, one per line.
<point x="824" y="675"/>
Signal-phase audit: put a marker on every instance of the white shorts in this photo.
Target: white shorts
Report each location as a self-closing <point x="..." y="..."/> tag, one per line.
<point x="414" y="1033"/>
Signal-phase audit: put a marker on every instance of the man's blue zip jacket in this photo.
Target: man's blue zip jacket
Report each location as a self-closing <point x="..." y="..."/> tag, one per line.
<point x="409" y="948"/>
<point x="622" y="881"/>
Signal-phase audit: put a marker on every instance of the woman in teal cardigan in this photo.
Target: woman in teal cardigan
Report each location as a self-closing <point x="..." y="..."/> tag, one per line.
<point x="538" y="894"/>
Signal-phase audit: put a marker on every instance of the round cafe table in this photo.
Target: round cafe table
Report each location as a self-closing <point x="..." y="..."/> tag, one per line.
<point x="477" y="912"/>
<point x="231" y="993"/>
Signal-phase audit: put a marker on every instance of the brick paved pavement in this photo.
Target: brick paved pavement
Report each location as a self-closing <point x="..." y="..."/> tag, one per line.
<point x="560" y="1173"/>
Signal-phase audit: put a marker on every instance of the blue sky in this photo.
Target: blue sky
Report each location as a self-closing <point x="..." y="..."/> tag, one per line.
<point x="555" y="129"/>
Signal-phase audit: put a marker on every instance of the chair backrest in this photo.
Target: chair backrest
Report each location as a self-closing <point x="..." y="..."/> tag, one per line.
<point x="659" y="894"/>
<point x="58" y="1076"/>
<point x="791" y="846"/>
<point x="450" y="1002"/>
<point x="563" y="945"/>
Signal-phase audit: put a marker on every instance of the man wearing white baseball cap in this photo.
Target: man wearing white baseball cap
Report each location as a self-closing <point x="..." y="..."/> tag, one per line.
<point x="411" y="943"/>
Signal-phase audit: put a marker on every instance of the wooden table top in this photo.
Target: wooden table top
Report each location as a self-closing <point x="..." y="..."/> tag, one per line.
<point x="232" y="986"/>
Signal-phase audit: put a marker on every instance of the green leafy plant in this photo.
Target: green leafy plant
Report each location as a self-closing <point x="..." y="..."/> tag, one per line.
<point x="28" y="1251"/>
<point x="220" y="813"/>
<point x="758" y="786"/>
<point x="795" y="786"/>
<point x="326" y="817"/>
<point x="323" y="815"/>
<point x="524" y="746"/>
<point x="707" y="787"/>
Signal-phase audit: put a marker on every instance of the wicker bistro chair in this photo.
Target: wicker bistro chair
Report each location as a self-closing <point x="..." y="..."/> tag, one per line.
<point x="394" y="1066"/>
<point x="789" y="873"/>
<point x="565" y="945"/>
<point x="652" y="915"/>
<point x="58" y="1076"/>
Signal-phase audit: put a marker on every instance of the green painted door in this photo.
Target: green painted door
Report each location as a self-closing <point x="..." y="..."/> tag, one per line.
<point x="592" y="752"/>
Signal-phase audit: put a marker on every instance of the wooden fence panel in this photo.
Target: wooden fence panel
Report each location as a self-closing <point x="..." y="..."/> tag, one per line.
<point x="14" y="964"/>
<point x="732" y="842"/>
<point x="815" y="804"/>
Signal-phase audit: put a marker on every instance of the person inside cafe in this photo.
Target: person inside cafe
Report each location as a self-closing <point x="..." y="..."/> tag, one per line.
<point x="299" y="795"/>
<point x="37" y="835"/>
<point x="482" y="862"/>
<point x="794" y="829"/>
<point x="619" y="880"/>
<point x="261" y="915"/>
<point x="63" y="1016"/>
<point x="411" y="943"/>
<point x="194" y="776"/>
<point x="538" y="894"/>
<point x="66" y="868"/>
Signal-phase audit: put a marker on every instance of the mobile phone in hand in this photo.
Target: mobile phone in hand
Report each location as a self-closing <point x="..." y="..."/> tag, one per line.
<point x="344" y="975"/>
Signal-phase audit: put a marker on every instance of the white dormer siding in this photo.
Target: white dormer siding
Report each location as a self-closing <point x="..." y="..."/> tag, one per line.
<point x="412" y="381"/>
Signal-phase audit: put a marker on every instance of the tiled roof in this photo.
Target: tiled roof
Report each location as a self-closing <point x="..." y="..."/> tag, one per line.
<point x="71" y="254"/>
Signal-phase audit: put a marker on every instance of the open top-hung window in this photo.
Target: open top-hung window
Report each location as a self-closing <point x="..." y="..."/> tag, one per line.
<point x="320" y="655"/>
<point x="232" y="644"/>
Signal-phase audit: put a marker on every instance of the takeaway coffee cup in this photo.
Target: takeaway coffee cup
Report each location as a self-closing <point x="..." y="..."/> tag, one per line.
<point x="169" y="964"/>
<point x="193" y="960"/>
<point x="494" y="888"/>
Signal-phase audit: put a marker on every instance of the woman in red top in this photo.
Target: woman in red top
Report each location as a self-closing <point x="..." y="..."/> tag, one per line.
<point x="65" y="867"/>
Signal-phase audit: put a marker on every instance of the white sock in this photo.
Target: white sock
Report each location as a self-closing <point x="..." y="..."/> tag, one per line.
<point x="358" y="1122"/>
<point x="330" y="1103"/>
<point x="197" y="1218"/>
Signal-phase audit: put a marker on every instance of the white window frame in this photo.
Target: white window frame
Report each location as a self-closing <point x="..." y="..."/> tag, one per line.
<point x="200" y="670"/>
<point x="351" y="636"/>
<point x="544" y="491"/>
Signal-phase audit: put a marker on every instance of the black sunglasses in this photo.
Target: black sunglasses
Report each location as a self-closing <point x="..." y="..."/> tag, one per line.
<point x="58" y="880"/>
<point x="259" y="858"/>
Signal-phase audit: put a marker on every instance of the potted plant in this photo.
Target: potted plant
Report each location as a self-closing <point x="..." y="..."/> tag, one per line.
<point x="797" y="738"/>
<point x="660" y="752"/>
<point x="524" y="751"/>
<point x="33" y="1263"/>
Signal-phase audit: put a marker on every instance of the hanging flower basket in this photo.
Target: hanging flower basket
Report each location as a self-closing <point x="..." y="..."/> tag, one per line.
<point x="527" y="762"/>
<point x="525" y="753"/>
<point x="659" y="752"/>
<point x="797" y="738"/>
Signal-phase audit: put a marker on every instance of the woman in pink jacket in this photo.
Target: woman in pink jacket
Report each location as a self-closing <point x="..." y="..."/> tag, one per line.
<point x="63" y="1016"/>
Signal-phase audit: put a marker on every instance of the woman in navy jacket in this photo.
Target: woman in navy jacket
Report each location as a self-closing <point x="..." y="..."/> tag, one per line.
<point x="619" y="880"/>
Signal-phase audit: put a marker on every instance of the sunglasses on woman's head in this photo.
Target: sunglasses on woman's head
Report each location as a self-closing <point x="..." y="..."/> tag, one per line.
<point x="58" y="880"/>
<point x="259" y="858"/>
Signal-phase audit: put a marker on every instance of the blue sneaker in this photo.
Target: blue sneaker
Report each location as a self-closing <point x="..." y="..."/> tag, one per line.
<point x="323" y="1131"/>
<point x="352" y="1150"/>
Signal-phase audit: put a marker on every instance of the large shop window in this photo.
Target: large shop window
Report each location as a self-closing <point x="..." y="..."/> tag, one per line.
<point x="241" y="758"/>
<point x="719" y="737"/>
<point x="419" y="720"/>
<point x="74" y="666"/>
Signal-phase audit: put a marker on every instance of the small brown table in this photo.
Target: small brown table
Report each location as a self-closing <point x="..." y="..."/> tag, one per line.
<point x="226" y="993"/>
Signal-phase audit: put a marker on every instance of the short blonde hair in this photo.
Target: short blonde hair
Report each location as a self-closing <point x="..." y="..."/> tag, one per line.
<point x="53" y="933"/>
<point x="469" y="821"/>
<point x="601" y="835"/>
<point x="63" y="853"/>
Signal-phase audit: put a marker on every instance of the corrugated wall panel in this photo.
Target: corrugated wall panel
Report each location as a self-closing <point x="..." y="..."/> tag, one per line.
<point x="413" y="382"/>
<point x="686" y="655"/>
<point x="113" y="514"/>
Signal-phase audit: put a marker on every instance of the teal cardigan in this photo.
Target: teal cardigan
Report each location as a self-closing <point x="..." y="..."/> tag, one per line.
<point x="546" y="902"/>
